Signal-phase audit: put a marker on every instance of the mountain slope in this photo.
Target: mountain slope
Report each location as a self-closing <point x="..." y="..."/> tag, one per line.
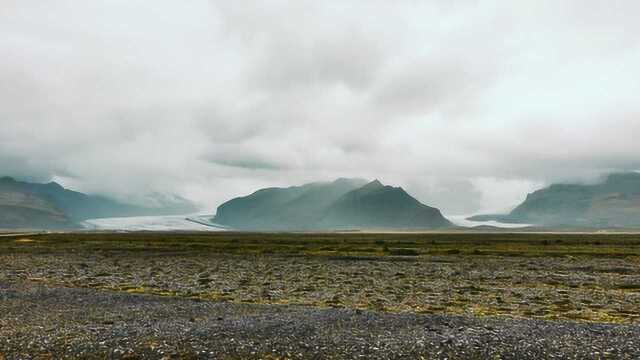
<point x="342" y="204"/>
<point x="22" y="207"/>
<point x="379" y="206"/>
<point x="613" y="203"/>
<point x="32" y="205"/>
<point x="296" y="207"/>
<point x="24" y="210"/>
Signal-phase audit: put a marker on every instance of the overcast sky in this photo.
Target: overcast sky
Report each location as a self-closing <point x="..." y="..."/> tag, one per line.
<point x="466" y="104"/>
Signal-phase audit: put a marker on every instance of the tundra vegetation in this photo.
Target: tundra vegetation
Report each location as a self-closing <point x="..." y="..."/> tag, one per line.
<point x="567" y="276"/>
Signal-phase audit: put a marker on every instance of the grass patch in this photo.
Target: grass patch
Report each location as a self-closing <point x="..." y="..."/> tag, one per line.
<point x="467" y="244"/>
<point x="403" y="252"/>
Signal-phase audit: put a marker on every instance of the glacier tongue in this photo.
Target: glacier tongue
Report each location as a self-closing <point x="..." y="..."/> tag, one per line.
<point x="149" y="223"/>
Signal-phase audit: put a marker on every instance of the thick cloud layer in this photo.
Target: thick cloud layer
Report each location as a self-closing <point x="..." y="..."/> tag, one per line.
<point x="466" y="104"/>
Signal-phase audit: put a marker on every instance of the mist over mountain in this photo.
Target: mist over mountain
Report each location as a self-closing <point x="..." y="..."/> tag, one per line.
<point x="51" y="206"/>
<point x="342" y="204"/>
<point x="125" y="99"/>
<point x="612" y="203"/>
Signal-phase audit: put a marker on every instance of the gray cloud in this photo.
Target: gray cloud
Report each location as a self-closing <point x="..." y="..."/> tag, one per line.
<point x="466" y="104"/>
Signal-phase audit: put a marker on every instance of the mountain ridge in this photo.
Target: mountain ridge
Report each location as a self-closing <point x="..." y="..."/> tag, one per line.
<point x="341" y="204"/>
<point x="51" y="206"/>
<point x="615" y="203"/>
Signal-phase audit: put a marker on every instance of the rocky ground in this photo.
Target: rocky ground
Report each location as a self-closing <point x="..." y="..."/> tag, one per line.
<point x="592" y="289"/>
<point x="240" y="296"/>
<point x="49" y="322"/>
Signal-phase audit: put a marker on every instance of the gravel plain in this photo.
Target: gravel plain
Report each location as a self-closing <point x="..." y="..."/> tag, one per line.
<point x="335" y="296"/>
<point x="48" y="322"/>
<point x="567" y="288"/>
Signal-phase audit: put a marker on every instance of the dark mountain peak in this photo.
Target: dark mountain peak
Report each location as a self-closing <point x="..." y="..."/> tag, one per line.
<point x="378" y="206"/>
<point x="377" y="186"/>
<point x="7" y="179"/>
<point x="349" y="181"/>
<point x="55" y="185"/>
<point x="373" y="185"/>
<point x="341" y="204"/>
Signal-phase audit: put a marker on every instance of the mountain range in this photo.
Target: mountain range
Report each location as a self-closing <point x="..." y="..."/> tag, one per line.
<point x="339" y="205"/>
<point x="343" y="204"/>
<point x="51" y="206"/>
<point x="614" y="203"/>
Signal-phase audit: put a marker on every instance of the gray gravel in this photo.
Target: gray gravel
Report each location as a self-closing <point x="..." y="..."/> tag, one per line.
<point x="600" y="289"/>
<point x="40" y="321"/>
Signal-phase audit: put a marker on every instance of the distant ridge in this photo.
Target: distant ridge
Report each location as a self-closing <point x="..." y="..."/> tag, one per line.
<point x="614" y="203"/>
<point x="341" y="204"/>
<point x="51" y="206"/>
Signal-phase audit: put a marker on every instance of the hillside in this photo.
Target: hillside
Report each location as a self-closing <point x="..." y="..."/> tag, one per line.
<point x="376" y="206"/>
<point x="50" y="206"/>
<point x="296" y="207"/>
<point x="612" y="203"/>
<point x="342" y="204"/>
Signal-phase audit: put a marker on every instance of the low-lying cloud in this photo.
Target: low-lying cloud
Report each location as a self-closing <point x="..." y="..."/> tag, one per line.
<point x="465" y="104"/>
